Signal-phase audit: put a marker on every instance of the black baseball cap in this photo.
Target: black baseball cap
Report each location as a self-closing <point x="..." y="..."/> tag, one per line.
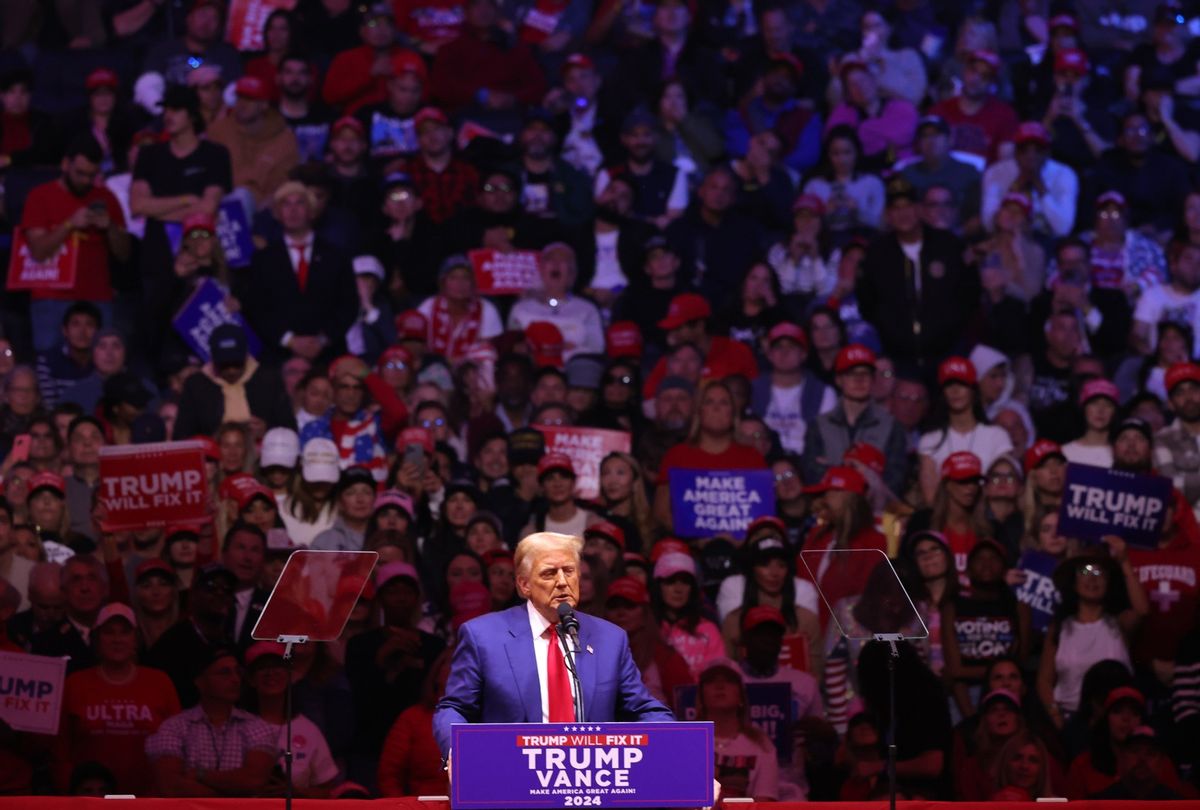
<point x="227" y="345"/>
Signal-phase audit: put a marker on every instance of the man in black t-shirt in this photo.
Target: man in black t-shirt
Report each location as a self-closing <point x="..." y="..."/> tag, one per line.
<point x="1051" y="402"/>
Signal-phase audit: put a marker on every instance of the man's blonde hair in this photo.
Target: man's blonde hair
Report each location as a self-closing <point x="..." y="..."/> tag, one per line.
<point x="539" y="543"/>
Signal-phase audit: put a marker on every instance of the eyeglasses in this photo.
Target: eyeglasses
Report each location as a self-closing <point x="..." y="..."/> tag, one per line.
<point x="784" y="476"/>
<point x="1090" y="570"/>
<point x="200" y="234"/>
<point x="1002" y="478"/>
<point x="1109" y="214"/>
<point x="614" y="379"/>
<point x="501" y="188"/>
<point x="428" y="423"/>
<point x="395" y="365"/>
<point x="400" y="196"/>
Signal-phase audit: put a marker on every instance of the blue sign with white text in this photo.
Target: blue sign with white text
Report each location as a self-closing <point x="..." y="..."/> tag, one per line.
<point x="771" y="710"/>
<point x="1038" y="589"/>
<point x="204" y="312"/>
<point x="497" y="766"/>
<point x="233" y="232"/>
<point x="1098" y="501"/>
<point x="705" y="503"/>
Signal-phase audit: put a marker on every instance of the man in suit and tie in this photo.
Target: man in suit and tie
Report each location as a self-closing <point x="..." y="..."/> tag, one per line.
<point x="244" y="553"/>
<point x="300" y="293"/>
<point x="509" y="666"/>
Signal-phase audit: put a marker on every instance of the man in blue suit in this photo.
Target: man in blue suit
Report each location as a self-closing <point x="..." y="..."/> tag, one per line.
<point x="501" y="671"/>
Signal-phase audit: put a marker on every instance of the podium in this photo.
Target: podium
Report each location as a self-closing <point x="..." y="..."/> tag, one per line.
<point x="527" y="766"/>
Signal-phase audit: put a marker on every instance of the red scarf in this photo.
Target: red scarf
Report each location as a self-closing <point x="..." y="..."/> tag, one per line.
<point x="452" y="340"/>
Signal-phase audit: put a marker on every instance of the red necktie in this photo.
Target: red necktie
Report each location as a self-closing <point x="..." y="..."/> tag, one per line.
<point x="558" y="682"/>
<point x="301" y="265"/>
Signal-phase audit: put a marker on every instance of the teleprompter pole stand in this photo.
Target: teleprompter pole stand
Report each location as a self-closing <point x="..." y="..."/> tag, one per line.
<point x="891" y="639"/>
<point x="288" y="641"/>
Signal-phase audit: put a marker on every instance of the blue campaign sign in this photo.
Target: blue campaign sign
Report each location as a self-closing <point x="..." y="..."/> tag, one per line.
<point x="771" y="711"/>
<point x="1097" y="501"/>
<point x="1038" y="589"/>
<point x="233" y="231"/>
<point x="705" y="503"/>
<point x="534" y="765"/>
<point x="204" y="312"/>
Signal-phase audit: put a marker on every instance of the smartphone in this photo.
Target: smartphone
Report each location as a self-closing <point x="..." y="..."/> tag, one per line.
<point x="415" y="454"/>
<point x="20" y="448"/>
<point x="97" y="207"/>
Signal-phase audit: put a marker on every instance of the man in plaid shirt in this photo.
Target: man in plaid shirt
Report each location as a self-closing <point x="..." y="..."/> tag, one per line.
<point x="214" y="749"/>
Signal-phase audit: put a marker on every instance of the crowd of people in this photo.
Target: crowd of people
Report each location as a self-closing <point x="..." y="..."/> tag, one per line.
<point x="913" y="257"/>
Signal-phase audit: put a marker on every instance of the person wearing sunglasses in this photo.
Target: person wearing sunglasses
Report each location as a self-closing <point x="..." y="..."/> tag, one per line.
<point x="1102" y="605"/>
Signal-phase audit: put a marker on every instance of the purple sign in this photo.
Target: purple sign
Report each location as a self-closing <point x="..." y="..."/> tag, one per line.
<point x="535" y="765"/>
<point x="706" y="503"/>
<point x="771" y="710"/>
<point x="1097" y="502"/>
<point x="1037" y="590"/>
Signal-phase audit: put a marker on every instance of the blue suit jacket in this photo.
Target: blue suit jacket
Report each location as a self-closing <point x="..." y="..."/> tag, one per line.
<point x="494" y="677"/>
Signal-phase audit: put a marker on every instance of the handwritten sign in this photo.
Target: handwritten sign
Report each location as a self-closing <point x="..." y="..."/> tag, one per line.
<point x="246" y="20"/>
<point x="55" y="273"/>
<point x="534" y="765"/>
<point x="586" y="447"/>
<point x="147" y="485"/>
<point x="203" y="312"/>
<point x="1098" y="501"/>
<point x="31" y="691"/>
<point x="705" y="503"/>
<point x="505" y="273"/>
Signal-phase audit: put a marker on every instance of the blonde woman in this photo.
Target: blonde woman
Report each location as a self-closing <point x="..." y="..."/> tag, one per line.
<point x="746" y="759"/>
<point x="623" y="496"/>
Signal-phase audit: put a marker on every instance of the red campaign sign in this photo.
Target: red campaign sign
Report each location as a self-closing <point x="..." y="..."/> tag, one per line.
<point x="505" y="273"/>
<point x="148" y="485"/>
<point x="244" y="30"/>
<point x="56" y="273"/>
<point x="586" y="447"/>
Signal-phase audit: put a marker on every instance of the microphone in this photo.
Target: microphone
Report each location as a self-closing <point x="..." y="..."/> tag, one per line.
<point x="569" y="623"/>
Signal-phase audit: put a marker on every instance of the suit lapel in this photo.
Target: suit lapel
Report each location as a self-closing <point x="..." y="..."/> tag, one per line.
<point x="519" y="648"/>
<point x="585" y="665"/>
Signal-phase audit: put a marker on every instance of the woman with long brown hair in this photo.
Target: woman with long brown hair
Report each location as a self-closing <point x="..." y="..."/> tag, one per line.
<point x="623" y="496"/>
<point x="959" y="512"/>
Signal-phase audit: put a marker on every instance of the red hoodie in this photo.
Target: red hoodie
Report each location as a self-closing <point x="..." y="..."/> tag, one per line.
<point x="1171" y="576"/>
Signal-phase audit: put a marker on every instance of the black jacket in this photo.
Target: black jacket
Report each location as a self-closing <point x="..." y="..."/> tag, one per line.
<point x="919" y="328"/>
<point x="202" y="405"/>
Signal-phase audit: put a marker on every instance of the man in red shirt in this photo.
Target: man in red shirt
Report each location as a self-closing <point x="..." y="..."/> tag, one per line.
<point x="687" y="322"/>
<point x="73" y="211"/>
<point x="359" y="76"/>
<point x="979" y="122"/>
<point x="480" y="67"/>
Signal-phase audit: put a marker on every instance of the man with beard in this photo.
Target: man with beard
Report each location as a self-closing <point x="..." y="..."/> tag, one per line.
<point x="980" y="123"/>
<point x="673" y="405"/>
<point x="74" y="211"/>
<point x="261" y="147"/>
<point x="1176" y="450"/>
<point x="550" y="187"/>
<point x="1178" y="300"/>
<point x="308" y="120"/>
<point x="660" y="189"/>
<point x="778" y="109"/>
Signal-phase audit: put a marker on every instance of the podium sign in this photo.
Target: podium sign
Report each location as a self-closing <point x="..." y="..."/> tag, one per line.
<point x="535" y="765"/>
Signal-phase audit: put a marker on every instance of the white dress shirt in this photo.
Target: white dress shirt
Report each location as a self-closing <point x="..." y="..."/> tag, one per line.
<point x="541" y="655"/>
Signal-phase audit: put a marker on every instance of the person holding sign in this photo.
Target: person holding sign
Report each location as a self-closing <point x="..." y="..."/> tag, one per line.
<point x="747" y="764"/>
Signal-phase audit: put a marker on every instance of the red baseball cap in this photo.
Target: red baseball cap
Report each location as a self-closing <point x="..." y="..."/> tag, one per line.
<point x="868" y="455"/>
<point x="1098" y="387"/>
<point x="232" y="486"/>
<point x="154" y="565"/>
<point x="1181" y="373"/>
<point x="809" y="202"/>
<point x="252" y="491"/>
<point x="350" y="122"/>
<point x="406" y="61"/>
<point x="669" y="545"/>
<point x="101" y="77"/>
<point x="427" y="115"/>
<point x="411" y="324"/>
<point x="843" y="479"/>
<point x="624" y="339"/>
<point x="1112" y="197"/>
<point x="1071" y="60"/>
<point x="415" y="435"/>
<point x="962" y="466"/>
<point x="685" y="308"/>
<point x="555" y="461"/>
<point x="956" y="369"/>
<point x="578" y="60"/>
<point x="989" y="58"/>
<point x="853" y="355"/>
<point x="1063" y="21"/>
<point x="850" y="64"/>
<point x="766" y="522"/>
<point x="199" y="221"/>
<point x="47" y="480"/>
<point x="609" y="531"/>
<point x="1042" y="449"/>
<point x="762" y="614"/>
<point x="252" y="88"/>
<point x="1031" y="132"/>
<point x="786" y="330"/>
<point x="630" y="589"/>
<point x="1124" y="693"/>
<point x="545" y="344"/>
<point x="396" y="354"/>
<point x="115" y="610"/>
<point x="1018" y="199"/>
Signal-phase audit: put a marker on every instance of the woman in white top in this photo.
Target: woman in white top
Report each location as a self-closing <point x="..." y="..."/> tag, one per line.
<point x="959" y="424"/>
<point x="1102" y="604"/>
<point x="1099" y="399"/>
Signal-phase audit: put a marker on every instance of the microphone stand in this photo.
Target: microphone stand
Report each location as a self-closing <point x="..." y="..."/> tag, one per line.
<point x="288" y="641"/>
<point x="568" y="636"/>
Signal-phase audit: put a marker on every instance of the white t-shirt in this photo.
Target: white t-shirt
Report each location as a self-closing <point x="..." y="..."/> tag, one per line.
<point x="1098" y="456"/>
<point x="312" y="761"/>
<point x="733" y="588"/>
<point x="986" y="441"/>
<point x="1164" y="303"/>
<point x="609" y="275"/>
<point x="783" y="414"/>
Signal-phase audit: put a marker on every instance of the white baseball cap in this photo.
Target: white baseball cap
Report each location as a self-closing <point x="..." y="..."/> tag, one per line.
<point x="319" y="462"/>
<point x="280" y="448"/>
<point x="368" y="265"/>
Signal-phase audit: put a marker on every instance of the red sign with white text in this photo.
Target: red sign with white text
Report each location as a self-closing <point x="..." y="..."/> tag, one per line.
<point x="148" y="485"/>
<point x="505" y="273"/>
<point x="55" y="273"/>
<point x="247" y="18"/>
<point x="586" y="447"/>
